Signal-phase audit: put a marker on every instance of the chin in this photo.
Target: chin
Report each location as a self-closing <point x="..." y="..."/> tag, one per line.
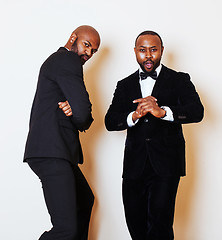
<point x="148" y="70"/>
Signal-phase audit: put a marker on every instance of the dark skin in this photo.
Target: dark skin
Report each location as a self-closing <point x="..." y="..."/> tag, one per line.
<point x="65" y="108"/>
<point x="84" y="41"/>
<point x="148" y="52"/>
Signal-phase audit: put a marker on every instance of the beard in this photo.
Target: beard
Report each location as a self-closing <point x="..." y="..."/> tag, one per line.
<point x="155" y="65"/>
<point x="83" y="57"/>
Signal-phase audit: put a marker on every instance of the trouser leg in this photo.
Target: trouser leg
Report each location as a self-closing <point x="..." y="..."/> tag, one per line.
<point x="85" y="200"/>
<point x="63" y="190"/>
<point x="135" y="206"/>
<point x="161" y="203"/>
<point x="149" y="203"/>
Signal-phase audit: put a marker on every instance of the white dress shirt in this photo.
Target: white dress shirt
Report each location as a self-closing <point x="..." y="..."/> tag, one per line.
<point x="146" y="87"/>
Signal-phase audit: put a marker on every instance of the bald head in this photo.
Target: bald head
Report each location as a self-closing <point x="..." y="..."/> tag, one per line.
<point x="84" y="41"/>
<point x="87" y="29"/>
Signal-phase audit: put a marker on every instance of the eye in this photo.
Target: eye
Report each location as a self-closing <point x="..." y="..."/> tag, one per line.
<point x="142" y="50"/>
<point x="154" y="50"/>
<point x="86" y="44"/>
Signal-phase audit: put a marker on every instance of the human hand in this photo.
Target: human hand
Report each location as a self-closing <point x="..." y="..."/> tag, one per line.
<point x="147" y="105"/>
<point x="65" y="108"/>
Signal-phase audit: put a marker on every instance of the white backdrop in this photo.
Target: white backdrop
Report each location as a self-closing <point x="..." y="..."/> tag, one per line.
<point x="32" y="30"/>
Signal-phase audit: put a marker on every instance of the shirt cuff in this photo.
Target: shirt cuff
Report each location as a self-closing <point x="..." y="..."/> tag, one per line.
<point x="130" y="120"/>
<point x="169" y="114"/>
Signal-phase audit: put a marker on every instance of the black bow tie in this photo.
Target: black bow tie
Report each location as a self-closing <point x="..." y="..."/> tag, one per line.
<point x="144" y="75"/>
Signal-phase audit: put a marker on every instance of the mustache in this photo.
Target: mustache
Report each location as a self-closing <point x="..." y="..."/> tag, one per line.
<point x="148" y="61"/>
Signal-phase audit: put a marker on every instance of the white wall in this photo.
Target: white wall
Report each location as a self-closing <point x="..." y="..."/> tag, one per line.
<point x="31" y="30"/>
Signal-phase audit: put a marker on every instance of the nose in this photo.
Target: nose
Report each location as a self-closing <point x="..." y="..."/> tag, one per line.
<point x="148" y="54"/>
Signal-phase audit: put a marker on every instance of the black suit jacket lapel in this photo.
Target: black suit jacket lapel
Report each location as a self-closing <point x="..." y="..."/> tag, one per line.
<point x="135" y="86"/>
<point x="160" y="81"/>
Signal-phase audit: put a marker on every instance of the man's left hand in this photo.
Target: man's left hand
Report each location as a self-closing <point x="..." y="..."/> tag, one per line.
<point x="65" y="108"/>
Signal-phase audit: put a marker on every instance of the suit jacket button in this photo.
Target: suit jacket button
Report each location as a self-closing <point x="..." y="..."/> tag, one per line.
<point x="148" y="139"/>
<point x="146" y="120"/>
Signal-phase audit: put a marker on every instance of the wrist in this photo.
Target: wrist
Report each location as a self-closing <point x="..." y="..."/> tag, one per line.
<point x="164" y="112"/>
<point x="134" y="117"/>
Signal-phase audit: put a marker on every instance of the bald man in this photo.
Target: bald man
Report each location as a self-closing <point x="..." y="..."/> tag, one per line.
<point x="53" y="149"/>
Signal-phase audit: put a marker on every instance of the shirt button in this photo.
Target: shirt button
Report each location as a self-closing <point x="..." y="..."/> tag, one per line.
<point x="146" y="120"/>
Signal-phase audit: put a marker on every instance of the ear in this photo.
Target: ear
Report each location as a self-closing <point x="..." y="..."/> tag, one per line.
<point x="73" y="38"/>
<point x="162" y="48"/>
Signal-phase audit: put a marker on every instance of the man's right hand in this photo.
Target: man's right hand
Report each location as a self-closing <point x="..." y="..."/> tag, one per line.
<point x="65" y="108"/>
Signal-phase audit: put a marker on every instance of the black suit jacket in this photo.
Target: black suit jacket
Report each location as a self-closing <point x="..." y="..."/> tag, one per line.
<point x="51" y="133"/>
<point x="159" y="140"/>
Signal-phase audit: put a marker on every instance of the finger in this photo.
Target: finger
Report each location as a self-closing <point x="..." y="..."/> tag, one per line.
<point x="65" y="109"/>
<point x="68" y="110"/>
<point x="138" y="115"/>
<point x="62" y="104"/>
<point x="69" y="114"/>
<point x="153" y="98"/>
<point x="138" y="100"/>
<point x="145" y="104"/>
<point x="138" y="109"/>
<point x="137" y="112"/>
<point x="145" y="110"/>
<point x="68" y="104"/>
<point x="150" y="98"/>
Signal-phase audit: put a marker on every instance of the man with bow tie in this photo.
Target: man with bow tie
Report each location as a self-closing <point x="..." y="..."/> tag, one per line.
<point x="152" y="104"/>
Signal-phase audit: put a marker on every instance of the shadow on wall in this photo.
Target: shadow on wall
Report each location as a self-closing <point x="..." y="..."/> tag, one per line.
<point x="189" y="184"/>
<point x="90" y="138"/>
<point x="186" y="191"/>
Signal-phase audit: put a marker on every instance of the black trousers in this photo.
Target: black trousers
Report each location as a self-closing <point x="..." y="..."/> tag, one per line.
<point x="149" y="203"/>
<point x="68" y="197"/>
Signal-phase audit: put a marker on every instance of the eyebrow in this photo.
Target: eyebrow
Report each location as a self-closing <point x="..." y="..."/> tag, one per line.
<point x="89" y="42"/>
<point x="145" y="47"/>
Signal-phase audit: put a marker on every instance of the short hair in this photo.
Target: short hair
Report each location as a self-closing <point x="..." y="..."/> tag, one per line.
<point x="149" y="33"/>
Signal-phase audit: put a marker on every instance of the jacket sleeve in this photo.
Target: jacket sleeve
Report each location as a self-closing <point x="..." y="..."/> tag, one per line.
<point x="116" y="116"/>
<point x="189" y="108"/>
<point x="70" y="80"/>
